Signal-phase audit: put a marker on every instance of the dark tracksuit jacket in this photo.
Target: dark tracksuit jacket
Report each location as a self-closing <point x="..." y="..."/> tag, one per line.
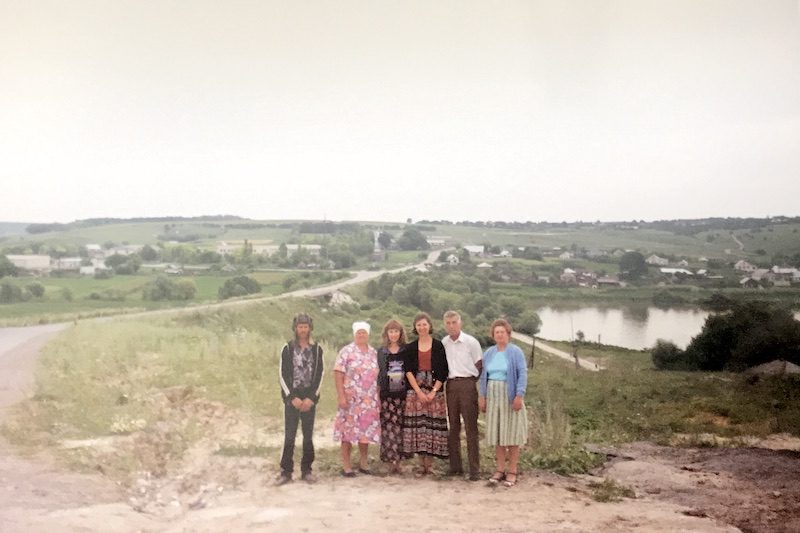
<point x="288" y="391"/>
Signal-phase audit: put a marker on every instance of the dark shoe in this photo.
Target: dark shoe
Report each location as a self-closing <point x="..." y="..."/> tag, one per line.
<point x="474" y="477"/>
<point x="348" y="474"/>
<point x="283" y="479"/>
<point x="309" y="477"/>
<point x="365" y="471"/>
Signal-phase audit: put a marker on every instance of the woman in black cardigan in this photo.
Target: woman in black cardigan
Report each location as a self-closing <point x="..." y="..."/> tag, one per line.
<point x="425" y="421"/>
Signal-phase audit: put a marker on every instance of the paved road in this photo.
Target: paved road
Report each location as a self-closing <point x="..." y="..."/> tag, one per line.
<point x="555" y="351"/>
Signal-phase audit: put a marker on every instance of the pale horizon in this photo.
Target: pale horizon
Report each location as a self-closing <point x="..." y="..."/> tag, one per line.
<point x="504" y="111"/>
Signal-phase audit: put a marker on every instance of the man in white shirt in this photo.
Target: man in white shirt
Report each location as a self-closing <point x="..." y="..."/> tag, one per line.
<point x="464" y="360"/>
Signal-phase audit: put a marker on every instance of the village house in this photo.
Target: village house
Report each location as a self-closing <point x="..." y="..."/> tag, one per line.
<point x="231" y="248"/>
<point x="35" y="264"/>
<point x="744" y="266"/>
<point x="476" y="250"/>
<point x="676" y="272"/>
<point x="656" y="260"/>
<point x="125" y="249"/>
<point x="65" y="264"/>
<point x="437" y="242"/>
<point x="579" y="277"/>
<point x="452" y="259"/>
<point x="95" y="251"/>
<point x="565" y="256"/>
<point x="608" y="281"/>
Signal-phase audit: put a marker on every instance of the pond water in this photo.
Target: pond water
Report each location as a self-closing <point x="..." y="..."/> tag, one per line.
<point x="631" y="327"/>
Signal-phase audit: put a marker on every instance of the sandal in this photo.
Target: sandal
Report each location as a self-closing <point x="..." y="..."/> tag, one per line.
<point x="421" y="472"/>
<point x="510" y="482"/>
<point x="497" y="477"/>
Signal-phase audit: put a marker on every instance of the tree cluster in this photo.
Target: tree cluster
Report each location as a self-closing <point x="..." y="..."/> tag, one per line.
<point x="750" y="334"/>
<point x="162" y="288"/>
<point x="238" y="286"/>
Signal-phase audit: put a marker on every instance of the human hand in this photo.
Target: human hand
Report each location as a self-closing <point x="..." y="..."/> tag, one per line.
<point x="482" y="404"/>
<point x="297" y="403"/>
<point x="431" y="396"/>
<point x="343" y="402"/>
<point x="517" y="405"/>
<point x="306" y="405"/>
<point x="422" y="397"/>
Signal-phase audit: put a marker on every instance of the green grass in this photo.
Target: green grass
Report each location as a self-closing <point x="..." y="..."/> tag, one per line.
<point x="53" y="307"/>
<point x="610" y="491"/>
<point x="167" y="378"/>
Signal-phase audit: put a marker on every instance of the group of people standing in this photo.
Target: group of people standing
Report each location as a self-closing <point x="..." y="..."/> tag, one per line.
<point x="409" y="397"/>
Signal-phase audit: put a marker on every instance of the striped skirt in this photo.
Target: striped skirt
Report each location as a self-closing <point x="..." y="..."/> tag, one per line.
<point x="504" y="426"/>
<point x="425" y="424"/>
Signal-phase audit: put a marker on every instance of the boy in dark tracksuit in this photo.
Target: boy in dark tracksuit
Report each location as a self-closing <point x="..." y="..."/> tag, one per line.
<point x="300" y="372"/>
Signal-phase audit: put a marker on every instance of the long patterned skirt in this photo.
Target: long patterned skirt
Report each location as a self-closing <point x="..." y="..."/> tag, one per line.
<point x="504" y="426"/>
<point x="425" y="424"/>
<point x="392" y="411"/>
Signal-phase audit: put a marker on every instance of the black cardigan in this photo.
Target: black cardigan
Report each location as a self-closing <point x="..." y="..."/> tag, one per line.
<point x="438" y="359"/>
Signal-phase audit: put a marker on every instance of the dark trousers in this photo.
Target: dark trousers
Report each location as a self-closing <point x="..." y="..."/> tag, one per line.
<point x="462" y="402"/>
<point x="291" y="418"/>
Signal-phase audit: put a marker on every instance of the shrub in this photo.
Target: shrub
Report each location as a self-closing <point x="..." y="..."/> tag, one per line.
<point x="10" y="293"/>
<point x="35" y="289"/>
<point x="239" y="286"/>
<point x="667" y="356"/>
<point x="163" y="288"/>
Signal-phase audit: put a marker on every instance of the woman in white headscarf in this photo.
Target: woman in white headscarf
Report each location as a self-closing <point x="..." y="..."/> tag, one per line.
<point x="358" y="417"/>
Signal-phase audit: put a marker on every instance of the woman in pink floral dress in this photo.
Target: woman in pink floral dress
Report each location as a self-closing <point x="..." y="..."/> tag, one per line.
<point x="358" y="417"/>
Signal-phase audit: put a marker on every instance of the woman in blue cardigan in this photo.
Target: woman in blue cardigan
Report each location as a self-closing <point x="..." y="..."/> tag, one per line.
<point x="502" y="397"/>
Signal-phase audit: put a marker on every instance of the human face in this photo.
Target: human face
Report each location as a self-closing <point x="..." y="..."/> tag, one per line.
<point x="423" y="327"/>
<point x="394" y="335"/>
<point x="500" y="335"/>
<point x="302" y="331"/>
<point x="361" y="337"/>
<point x="453" y="326"/>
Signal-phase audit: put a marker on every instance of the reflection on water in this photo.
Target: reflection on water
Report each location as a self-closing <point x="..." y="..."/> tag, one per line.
<point x="633" y="327"/>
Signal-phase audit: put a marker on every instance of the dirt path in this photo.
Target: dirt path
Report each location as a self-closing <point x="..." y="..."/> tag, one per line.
<point x="584" y="364"/>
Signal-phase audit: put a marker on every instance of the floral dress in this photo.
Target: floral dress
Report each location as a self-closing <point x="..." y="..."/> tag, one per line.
<point x="360" y="420"/>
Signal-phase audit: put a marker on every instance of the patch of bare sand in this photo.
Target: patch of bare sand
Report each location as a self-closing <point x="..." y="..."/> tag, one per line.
<point x="753" y="488"/>
<point x="540" y="502"/>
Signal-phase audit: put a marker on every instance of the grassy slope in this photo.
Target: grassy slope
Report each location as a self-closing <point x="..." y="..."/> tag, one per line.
<point x="97" y="378"/>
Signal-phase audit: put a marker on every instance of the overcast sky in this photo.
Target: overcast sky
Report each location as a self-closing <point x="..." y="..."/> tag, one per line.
<point x="384" y="110"/>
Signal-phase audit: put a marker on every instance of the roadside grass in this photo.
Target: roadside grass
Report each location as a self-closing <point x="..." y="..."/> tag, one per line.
<point x="53" y="307"/>
<point x="630" y="400"/>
